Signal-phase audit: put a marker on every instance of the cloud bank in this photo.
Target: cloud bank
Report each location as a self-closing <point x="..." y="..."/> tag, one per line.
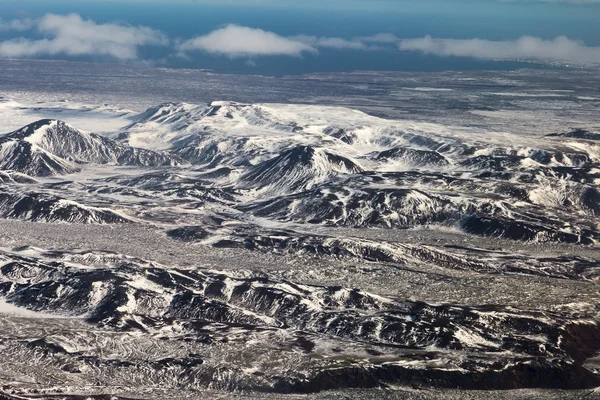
<point x="240" y="41"/>
<point x="525" y="48"/>
<point x="72" y="35"/>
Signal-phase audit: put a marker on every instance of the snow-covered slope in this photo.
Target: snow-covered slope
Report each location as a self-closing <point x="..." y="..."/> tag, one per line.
<point x="409" y="157"/>
<point x="235" y="133"/>
<point x="223" y="131"/>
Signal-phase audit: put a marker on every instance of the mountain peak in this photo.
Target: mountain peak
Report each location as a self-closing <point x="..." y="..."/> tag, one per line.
<point x="53" y="147"/>
<point x="299" y="168"/>
<point x="34" y="127"/>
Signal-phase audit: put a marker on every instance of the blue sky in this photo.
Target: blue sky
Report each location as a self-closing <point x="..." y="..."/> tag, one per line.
<point x="279" y="37"/>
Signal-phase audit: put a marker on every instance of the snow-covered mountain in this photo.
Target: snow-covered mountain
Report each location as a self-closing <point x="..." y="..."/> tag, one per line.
<point x="294" y="248"/>
<point x="52" y="147"/>
<point x="333" y="166"/>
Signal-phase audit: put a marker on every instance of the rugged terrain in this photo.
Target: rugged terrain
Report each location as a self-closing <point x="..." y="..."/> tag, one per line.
<point x="290" y="249"/>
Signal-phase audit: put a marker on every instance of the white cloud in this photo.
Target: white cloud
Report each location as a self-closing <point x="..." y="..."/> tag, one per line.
<point x="240" y="41"/>
<point x="331" y="42"/>
<point x="17" y="24"/>
<point x="379" y="38"/>
<point x="72" y="35"/>
<point x="527" y="47"/>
